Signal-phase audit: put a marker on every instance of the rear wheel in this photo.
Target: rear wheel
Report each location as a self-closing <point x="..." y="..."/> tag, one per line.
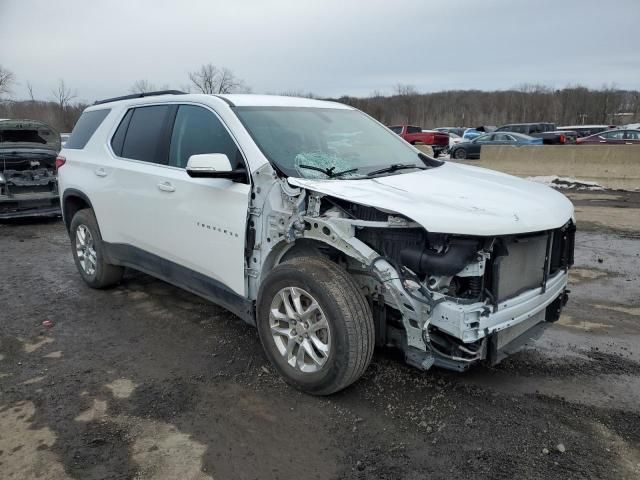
<point x="315" y="325"/>
<point x="88" y="252"/>
<point x="460" y="154"/>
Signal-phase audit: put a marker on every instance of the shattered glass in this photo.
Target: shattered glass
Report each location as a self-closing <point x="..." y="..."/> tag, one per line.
<point x="324" y="160"/>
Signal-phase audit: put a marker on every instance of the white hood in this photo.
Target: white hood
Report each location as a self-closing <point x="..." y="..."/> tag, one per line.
<point x="456" y="198"/>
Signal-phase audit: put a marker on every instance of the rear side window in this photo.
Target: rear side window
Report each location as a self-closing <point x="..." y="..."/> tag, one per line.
<point x="85" y="127"/>
<point x="117" y="142"/>
<point x="147" y="134"/>
<point x="197" y="130"/>
<point x="632" y="135"/>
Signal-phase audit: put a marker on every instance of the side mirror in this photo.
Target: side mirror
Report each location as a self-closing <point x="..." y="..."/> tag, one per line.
<point x="213" y="165"/>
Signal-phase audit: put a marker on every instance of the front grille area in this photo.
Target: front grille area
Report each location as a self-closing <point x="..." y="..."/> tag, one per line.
<point x="524" y="262"/>
<point x="26" y="189"/>
<point x="522" y="268"/>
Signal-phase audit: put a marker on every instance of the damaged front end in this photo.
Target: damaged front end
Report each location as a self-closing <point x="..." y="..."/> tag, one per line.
<point x="28" y="180"/>
<point x="445" y="300"/>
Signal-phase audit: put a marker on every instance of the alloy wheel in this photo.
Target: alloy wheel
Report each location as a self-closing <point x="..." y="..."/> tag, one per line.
<point x="300" y="329"/>
<point x="85" y="250"/>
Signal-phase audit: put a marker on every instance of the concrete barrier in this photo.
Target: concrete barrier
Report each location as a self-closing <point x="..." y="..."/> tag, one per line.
<point x="612" y="166"/>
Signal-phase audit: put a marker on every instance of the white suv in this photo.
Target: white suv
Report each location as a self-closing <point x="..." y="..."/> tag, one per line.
<point x="318" y="225"/>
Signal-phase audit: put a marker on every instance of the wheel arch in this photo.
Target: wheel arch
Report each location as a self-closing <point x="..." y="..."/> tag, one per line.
<point x="284" y="251"/>
<point x="73" y="200"/>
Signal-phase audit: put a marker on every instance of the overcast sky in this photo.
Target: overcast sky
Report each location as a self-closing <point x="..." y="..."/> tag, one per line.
<point x="329" y="47"/>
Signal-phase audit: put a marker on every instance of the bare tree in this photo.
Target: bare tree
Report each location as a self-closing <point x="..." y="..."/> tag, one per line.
<point x="29" y="86"/>
<point x="7" y="79"/>
<point x="404" y="90"/>
<point x="142" y="86"/>
<point x="63" y="95"/>
<point x="212" y="80"/>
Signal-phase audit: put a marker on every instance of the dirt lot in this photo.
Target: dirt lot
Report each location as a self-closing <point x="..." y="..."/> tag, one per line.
<point x="147" y="381"/>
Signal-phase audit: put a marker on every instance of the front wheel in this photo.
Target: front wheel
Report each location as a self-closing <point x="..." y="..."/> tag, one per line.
<point x="315" y="325"/>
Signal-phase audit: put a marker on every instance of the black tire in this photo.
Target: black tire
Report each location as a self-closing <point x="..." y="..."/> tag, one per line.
<point x="105" y="275"/>
<point x="460" y="154"/>
<point x="347" y="313"/>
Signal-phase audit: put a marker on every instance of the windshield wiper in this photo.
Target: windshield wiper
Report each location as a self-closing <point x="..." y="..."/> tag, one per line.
<point x="394" y="167"/>
<point x="329" y="172"/>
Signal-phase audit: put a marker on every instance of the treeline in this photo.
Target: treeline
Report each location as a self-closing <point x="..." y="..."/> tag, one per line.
<point x="61" y="118"/>
<point x="572" y="105"/>
<point x="529" y="103"/>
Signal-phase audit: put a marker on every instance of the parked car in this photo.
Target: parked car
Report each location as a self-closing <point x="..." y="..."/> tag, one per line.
<point x="438" y="141"/>
<point x="612" y="137"/>
<point x="28" y="181"/>
<point x="586" y="130"/>
<point x="454" y="139"/>
<point x="316" y="224"/>
<point x="546" y="131"/>
<point x="472" y="148"/>
<point x="471" y="133"/>
<point x="459" y="131"/>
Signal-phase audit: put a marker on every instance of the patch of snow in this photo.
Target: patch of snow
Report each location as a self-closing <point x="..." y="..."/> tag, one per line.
<point x="566" y="182"/>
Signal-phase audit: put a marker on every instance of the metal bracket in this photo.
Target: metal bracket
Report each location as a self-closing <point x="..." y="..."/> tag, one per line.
<point x="255" y="211"/>
<point x="251" y="272"/>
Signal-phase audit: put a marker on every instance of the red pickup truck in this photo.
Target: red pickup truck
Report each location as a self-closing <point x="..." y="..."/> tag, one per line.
<point x="439" y="141"/>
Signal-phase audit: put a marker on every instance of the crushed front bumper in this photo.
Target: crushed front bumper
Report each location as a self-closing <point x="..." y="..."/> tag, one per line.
<point x="483" y="331"/>
<point x="473" y="322"/>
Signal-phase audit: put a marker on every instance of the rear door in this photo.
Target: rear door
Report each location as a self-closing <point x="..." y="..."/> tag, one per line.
<point x="615" y="137"/>
<point x="141" y="153"/>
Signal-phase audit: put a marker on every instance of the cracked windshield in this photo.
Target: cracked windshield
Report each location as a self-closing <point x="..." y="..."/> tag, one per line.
<point x="327" y="143"/>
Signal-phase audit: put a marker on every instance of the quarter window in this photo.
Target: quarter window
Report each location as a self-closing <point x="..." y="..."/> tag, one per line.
<point x="118" y="138"/>
<point x="197" y="130"/>
<point x="85" y="127"/>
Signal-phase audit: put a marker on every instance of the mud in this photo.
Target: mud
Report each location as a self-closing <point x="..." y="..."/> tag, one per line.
<point x="147" y="381"/>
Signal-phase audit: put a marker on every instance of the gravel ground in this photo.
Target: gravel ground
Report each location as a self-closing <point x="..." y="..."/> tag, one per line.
<point x="147" y="381"/>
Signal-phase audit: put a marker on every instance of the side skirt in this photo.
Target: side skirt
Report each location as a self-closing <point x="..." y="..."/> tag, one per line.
<point x="182" y="277"/>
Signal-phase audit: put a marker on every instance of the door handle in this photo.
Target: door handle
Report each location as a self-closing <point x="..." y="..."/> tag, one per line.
<point x="166" y="187"/>
<point x="101" y="172"/>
